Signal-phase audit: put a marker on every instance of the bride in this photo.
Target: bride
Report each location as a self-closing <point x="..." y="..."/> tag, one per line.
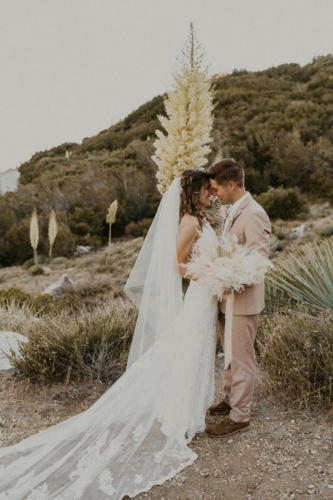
<point x="136" y="434"/>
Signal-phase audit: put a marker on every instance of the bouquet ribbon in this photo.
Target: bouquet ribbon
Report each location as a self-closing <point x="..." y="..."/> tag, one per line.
<point x="228" y="330"/>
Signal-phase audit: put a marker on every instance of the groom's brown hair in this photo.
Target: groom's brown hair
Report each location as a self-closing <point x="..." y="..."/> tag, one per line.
<point x="226" y="170"/>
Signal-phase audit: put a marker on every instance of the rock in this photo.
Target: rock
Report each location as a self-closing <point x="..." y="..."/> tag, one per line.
<point x="59" y="286"/>
<point x="82" y="250"/>
<point x="204" y="473"/>
<point x="9" y="340"/>
<point x="299" y="230"/>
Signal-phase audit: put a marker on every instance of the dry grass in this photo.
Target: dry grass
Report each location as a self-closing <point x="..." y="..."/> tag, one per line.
<point x="67" y="346"/>
<point x="296" y="351"/>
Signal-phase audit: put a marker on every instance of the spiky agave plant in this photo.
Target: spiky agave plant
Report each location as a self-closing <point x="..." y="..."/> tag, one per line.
<point x="305" y="276"/>
<point x="110" y="219"/>
<point x="53" y="230"/>
<point x="34" y="233"/>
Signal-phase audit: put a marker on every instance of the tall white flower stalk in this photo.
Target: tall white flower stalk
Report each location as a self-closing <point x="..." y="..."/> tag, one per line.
<point x="34" y="233"/>
<point x="52" y="230"/>
<point x="110" y="219"/>
<point x="189" y="119"/>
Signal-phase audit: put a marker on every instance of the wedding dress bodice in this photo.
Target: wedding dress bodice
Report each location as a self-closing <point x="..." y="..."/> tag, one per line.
<point x="136" y="434"/>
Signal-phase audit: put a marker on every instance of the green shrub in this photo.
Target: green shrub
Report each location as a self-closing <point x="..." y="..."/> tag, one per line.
<point x="139" y="228"/>
<point x="87" y="262"/>
<point x="93" y="241"/>
<point x="15" y="294"/>
<point x="281" y="203"/>
<point x="277" y="245"/>
<point x="35" y="270"/>
<point x="326" y="231"/>
<point x="42" y="304"/>
<point x="68" y="346"/>
<point x="296" y="351"/>
<point x="41" y="259"/>
<point x="133" y="229"/>
<point x="58" y="260"/>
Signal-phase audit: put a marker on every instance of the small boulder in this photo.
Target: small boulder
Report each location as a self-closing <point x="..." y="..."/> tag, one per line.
<point x="82" y="250"/>
<point x="9" y="340"/>
<point x="59" y="286"/>
<point x="299" y="230"/>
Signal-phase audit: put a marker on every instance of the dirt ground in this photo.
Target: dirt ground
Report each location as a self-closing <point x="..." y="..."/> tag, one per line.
<point x="287" y="453"/>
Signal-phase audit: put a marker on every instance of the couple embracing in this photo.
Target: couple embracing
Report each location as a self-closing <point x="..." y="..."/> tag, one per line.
<point x="136" y="435"/>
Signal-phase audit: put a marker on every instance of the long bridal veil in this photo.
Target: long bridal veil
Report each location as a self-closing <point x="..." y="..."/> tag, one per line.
<point x="154" y="284"/>
<point x="136" y="434"/>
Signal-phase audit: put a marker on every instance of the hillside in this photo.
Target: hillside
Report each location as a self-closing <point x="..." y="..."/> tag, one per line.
<point x="278" y="123"/>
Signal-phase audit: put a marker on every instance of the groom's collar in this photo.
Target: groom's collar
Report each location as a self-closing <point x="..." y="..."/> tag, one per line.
<point x="239" y="201"/>
<point x="238" y="210"/>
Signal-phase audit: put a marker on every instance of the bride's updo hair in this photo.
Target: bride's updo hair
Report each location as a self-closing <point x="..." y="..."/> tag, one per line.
<point x="191" y="182"/>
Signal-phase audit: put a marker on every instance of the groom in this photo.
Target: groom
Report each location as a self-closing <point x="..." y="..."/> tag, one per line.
<point x="249" y="222"/>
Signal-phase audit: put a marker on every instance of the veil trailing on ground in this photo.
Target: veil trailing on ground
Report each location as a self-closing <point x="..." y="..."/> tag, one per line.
<point x="154" y="284"/>
<point x="136" y="434"/>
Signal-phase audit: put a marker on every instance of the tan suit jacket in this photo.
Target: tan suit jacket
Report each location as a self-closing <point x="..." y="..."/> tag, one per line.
<point x="252" y="226"/>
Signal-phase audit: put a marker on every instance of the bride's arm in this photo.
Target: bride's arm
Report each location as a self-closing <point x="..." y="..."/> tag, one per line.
<point x="187" y="235"/>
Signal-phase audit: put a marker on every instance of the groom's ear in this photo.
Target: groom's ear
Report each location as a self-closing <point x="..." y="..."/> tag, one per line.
<point x="232" y="184"/>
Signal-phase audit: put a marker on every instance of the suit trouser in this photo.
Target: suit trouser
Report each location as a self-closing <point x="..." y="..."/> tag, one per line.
<point x="239" y="378"/>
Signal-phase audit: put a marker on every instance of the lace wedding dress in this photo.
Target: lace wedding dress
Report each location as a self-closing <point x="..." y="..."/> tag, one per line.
<point x="136" y="434"/>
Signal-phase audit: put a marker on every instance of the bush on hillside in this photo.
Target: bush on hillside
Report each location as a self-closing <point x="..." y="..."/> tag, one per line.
<point x="139" y="228"/>
<point x="281" y="203"/>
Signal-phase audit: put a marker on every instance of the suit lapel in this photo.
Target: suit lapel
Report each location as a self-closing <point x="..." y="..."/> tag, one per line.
<point x="239" y="210"/>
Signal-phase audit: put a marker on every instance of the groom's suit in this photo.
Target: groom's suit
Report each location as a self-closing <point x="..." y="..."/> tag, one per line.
<point x="251" y="225"/>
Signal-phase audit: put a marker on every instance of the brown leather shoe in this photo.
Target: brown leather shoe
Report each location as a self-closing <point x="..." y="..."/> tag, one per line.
<point x="222" y="408"/>
<point x="227" y="427"/>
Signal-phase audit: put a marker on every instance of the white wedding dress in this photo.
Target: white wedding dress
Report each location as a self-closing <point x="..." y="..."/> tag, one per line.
<point x="136" y="434"/>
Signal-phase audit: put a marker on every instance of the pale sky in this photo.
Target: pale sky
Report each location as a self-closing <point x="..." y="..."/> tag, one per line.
<point x="70" y="68"/>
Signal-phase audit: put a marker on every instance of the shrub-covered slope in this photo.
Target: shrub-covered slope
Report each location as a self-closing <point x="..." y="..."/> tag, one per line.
<point x="278" y="123"/>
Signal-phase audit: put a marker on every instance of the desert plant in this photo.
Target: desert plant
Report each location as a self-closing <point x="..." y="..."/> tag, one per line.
<point x="305" y="276"/>
<point x="52" y="230"/>
<point x="110" y="219"/>
<point x="66" y="346"/>
<point x="296" y="352"/>
<point x="189" y="121"/>
<point x="34" y="233"/>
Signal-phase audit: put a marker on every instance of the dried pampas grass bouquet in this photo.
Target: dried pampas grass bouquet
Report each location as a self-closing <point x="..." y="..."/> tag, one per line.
<point x="221" y="264"/>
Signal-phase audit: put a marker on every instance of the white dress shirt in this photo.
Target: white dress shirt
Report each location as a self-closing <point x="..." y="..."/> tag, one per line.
<point x="232" y="210"/>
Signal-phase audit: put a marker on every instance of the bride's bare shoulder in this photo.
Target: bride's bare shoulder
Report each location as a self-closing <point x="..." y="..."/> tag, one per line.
<point x="189" y="222"/>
